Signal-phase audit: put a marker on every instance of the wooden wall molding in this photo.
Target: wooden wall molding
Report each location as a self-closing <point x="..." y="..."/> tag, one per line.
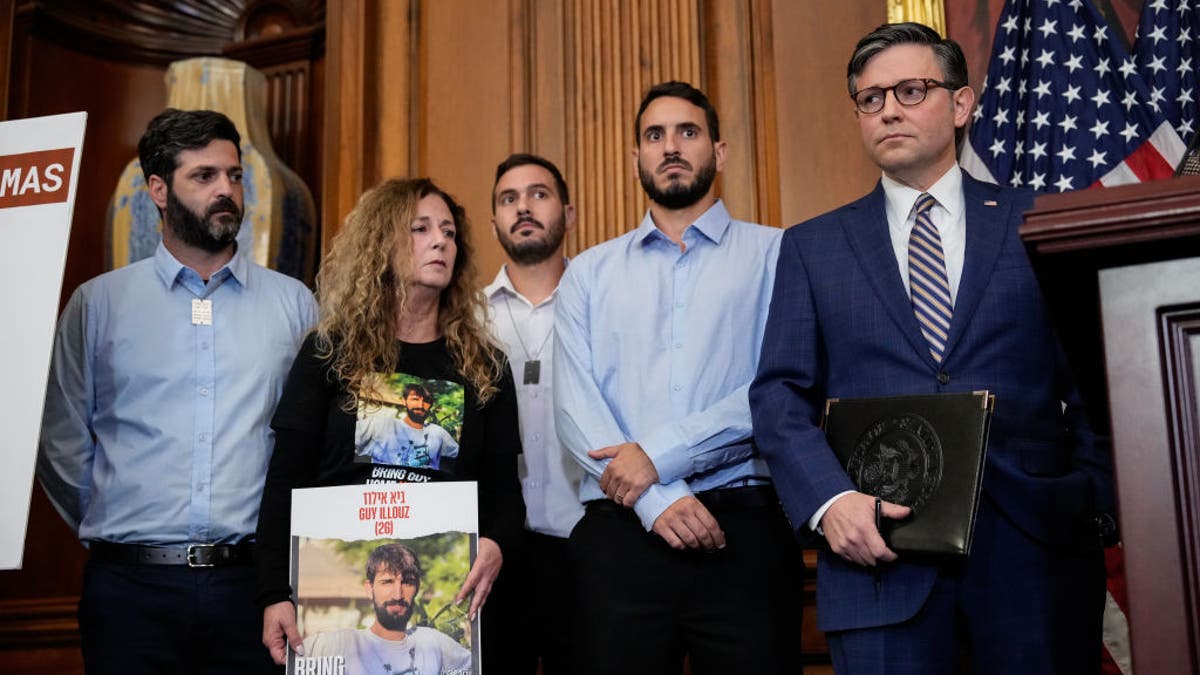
<point x="1179" y="334"/>
<point x="1164" y="210"/>
<point x="618" y="50"/>
<point x="39" y="622"/>
<point x="300" y="44"/>
<point x="159" y="32"/>
<point x="1149" y="314"/>
<point x="739" y="67"/>
<point x="370" y="97"/>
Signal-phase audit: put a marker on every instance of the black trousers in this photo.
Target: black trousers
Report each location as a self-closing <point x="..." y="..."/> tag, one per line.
<point x="535" y="612"/>
<point x="644" y="605"/>
<point x="171" y="619"/>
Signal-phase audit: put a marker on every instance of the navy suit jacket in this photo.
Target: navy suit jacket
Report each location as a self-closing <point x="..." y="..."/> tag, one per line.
<point x="841" y="325"/>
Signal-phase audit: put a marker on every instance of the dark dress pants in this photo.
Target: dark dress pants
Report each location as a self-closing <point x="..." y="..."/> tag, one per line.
<point x="644" y="605"/>
<point x="171" y="619"/>
<point x="535" y="620"/>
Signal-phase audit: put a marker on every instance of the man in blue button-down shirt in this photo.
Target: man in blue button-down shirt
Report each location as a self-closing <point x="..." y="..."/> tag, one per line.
<point x="155" y="436"/>
<point x="683" y="547"/>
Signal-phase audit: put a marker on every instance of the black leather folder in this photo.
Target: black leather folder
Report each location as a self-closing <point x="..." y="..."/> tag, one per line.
<point x="923" y="451"/>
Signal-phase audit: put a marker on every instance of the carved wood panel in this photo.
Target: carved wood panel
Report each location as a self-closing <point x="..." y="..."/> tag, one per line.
<point x="1179" y="334"/>
<point x="158" y="32"/>
<point x="618" y="50"/>
<point x="1150" y="314"/>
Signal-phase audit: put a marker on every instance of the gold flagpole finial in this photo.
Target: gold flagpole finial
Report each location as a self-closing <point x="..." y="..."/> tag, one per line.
<point x="932" y="13"/>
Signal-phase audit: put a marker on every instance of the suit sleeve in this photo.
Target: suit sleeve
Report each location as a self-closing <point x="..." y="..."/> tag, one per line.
<point x="1090" y="453"/>
<point x="786" y="397"/>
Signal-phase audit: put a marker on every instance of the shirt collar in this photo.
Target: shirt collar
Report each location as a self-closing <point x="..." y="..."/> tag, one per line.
<point x="169" y="268"/>
<point x="713" y="224"/>
<point x="948" y="191"/>
<point x="502" y="283"/>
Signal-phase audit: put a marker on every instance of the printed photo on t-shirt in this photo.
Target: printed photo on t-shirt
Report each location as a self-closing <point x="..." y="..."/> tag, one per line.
<point x="404" y="420"/>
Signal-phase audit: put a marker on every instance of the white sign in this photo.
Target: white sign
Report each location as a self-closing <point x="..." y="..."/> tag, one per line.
<point x="39" y="168"/>
<point x="387" y="510"/>
<point x="404" y="528"/>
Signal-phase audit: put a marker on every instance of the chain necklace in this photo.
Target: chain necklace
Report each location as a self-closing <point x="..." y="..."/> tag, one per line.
<point x="533" y="364"/>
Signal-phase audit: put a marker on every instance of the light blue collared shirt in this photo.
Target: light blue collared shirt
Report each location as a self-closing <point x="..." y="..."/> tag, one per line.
<point x="157" y="425"/>
<point x="658" y="346"/>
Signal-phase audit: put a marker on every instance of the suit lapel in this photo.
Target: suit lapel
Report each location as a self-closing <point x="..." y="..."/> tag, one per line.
<point x="866" y="228"/>
<point x="987" y="216"/>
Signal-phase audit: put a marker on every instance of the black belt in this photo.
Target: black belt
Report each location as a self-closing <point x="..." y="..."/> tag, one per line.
<point x="719" y="499"/>
<point x="747" y="497"/>
<point x="192" y="555"/>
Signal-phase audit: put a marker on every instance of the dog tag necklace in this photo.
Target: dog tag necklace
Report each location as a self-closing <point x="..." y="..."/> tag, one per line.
<point x="533" y="363"/>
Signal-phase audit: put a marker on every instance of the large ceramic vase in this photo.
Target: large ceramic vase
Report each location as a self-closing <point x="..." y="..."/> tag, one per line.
<point x="279" y="229"/>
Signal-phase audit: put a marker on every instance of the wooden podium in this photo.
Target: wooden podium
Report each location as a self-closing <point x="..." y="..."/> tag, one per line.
<point x="1120" y="268"/>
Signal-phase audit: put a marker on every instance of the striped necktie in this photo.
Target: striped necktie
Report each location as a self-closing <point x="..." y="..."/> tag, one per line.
<point x="930" y="288"/>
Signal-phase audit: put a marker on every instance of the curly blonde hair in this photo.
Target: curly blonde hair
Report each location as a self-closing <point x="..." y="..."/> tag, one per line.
<point x="360" y="295"/>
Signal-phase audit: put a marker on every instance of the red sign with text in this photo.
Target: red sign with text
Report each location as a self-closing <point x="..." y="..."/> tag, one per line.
<point x="31" y="178"/>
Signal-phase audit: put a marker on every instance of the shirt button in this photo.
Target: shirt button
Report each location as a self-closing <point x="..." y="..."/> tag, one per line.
<point x="678" y="345"/>
<point x="204" y="438"/>
<point x="204" y="391"/>
<point x="677" y="387"/>
<point x="534" y="395"/>
<point x="204" y="346"/>
<point x="537" y="437"/>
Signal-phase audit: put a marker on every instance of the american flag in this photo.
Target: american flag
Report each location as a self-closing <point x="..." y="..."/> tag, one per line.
<point x="1064" y="107"/>
<point x="1167" y="52"/>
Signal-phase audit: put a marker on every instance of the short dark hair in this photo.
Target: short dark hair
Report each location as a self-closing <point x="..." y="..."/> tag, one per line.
<point x="421" y="391"/>
<point x="172" y="131"/>
<point x="686" y="92"/>
<point x="397" y="558"/>
<point x="949" y="54"/>
<point x="522" y="159"/>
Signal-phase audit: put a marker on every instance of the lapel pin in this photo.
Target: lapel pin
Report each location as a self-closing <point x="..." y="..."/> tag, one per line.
<point x="989" y="202"/>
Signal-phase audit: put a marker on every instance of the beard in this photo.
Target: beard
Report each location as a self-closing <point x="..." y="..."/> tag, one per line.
<point x="391" y="621"/>
<point x="211" y="231"/>
<point x="677" y="194"/>
<point x="531" y="250"/>
<point x="418" y="415"/>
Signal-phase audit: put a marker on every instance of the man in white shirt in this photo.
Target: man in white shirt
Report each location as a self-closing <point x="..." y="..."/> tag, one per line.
<point x="531" y="214"/>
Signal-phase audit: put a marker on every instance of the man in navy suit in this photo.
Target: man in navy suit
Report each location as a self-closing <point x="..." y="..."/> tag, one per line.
<point x="923" y="286"/>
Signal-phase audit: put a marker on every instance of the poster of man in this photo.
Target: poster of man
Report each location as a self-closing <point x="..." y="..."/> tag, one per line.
<point x="408" y="421"/>
<point x="385" y="606"/>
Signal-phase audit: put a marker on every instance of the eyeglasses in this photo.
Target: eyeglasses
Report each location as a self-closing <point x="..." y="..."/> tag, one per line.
<point x="907" y="92"/>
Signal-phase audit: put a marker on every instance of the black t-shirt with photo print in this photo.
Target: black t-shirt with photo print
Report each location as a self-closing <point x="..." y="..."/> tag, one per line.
<point x="319" y="443"/>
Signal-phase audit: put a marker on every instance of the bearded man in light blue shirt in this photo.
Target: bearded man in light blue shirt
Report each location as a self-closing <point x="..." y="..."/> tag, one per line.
<point x="155" y="437"/>
<point x="683" y="547"/>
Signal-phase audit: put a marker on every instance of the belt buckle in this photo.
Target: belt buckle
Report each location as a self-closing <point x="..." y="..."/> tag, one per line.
<point x="191" y="555"/>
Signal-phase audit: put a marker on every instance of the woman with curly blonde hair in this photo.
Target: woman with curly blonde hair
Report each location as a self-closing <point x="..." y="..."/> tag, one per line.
<point x="399" y="381"/>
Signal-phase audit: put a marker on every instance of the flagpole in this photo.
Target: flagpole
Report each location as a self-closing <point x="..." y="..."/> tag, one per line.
<point x="932" y="13"/>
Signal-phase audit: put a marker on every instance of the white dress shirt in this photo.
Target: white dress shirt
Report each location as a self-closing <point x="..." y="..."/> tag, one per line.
<point x="549" y="476"/>
<point x="949" y="216"/>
